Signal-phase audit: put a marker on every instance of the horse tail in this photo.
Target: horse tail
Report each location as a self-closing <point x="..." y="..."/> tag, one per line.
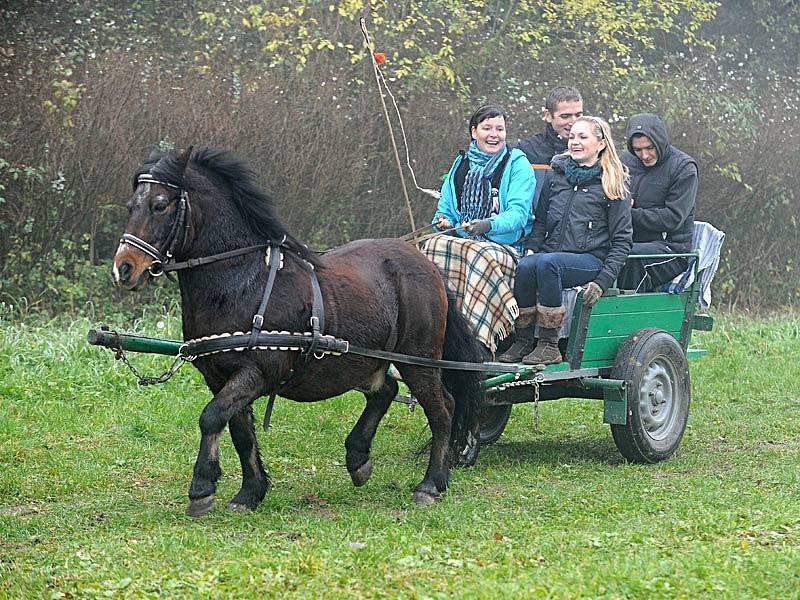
<point x="465" y="387"/>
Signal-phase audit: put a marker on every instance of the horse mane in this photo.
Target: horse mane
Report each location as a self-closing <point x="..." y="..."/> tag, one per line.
<point x="253" y="203"/>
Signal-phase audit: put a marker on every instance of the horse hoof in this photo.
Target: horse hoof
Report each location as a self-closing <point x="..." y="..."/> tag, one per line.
<point x="422" y="498"/>
<point x="239" y="508"/>
<point x="200" y="506"/>
<point x="468" y="456"/>
<point x="362" y="474"/>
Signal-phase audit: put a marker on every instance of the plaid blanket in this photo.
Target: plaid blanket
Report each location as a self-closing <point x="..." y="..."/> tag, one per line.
<point x="482" y="275"/>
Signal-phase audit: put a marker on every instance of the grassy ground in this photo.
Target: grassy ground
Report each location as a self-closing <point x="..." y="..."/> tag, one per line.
<point x="94" y="472"/>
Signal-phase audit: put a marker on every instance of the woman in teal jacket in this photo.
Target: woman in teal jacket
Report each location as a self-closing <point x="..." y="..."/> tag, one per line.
<point x="490" y="186"/>
<point x="487" y="198"/>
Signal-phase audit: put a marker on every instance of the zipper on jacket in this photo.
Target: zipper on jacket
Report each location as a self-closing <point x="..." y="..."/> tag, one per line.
<point x="565" y="220"/>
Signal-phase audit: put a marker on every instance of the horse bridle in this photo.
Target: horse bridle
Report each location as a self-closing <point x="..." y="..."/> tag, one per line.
<point x="180" y="229"/>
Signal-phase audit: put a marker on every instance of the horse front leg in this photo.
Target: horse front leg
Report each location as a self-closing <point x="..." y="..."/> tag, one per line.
<point x="426" y="385"/>
<point x="358" y="443"/>
<point x="239" y="391"/>
<point x="255" y="480"/>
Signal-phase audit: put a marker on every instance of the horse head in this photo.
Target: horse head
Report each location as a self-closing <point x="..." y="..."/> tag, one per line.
<point x="159" y="217"/>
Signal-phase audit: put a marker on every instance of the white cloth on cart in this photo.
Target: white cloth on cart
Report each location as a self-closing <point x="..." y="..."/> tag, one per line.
<point x="568" y="297"/>
<point x="707" y="240"/>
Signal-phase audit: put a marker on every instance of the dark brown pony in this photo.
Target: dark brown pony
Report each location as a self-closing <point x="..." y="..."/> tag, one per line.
<point x="378" y="294"/>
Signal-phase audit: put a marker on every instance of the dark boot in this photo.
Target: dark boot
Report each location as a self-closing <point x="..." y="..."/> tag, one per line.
<point x="550" y="321"/>
<point x="526" y="318"/>
<point x="523" y="344"/>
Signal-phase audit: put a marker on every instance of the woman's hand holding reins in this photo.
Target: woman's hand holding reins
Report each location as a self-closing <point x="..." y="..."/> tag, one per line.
<point x="478" y="226"/>
<point x="442" y="222"/>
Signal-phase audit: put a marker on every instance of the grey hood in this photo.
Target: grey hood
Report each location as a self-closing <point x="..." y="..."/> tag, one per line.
<point x="653" y="127"/>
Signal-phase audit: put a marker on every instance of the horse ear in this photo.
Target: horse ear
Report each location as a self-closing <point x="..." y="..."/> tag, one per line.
<point x="183" y="158"/>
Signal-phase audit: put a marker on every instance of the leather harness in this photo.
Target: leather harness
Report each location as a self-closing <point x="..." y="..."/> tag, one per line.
<point x="314" y="343"/>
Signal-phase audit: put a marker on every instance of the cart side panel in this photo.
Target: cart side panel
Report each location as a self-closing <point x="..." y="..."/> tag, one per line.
<point x="614" y="318"/>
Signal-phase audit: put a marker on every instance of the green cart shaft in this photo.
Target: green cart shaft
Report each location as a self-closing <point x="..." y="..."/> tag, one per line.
<point x="133" y="343"/>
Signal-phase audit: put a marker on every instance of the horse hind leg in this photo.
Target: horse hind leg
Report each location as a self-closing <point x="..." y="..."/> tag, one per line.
<point x="239" y="391"/>
<point x="426" y="385"/>
<point x="255" y="480"/>
<point x="359" y="441"/>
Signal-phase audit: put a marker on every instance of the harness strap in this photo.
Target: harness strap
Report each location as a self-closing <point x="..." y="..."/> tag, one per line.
<point x="268" y="412"/>
<point x="432" y="362"/>
<point x="140" y="244"/>
<point x="205" y="260"/>
<point x="317" y="315"/>
<point x="274" y="258"/>
<point x="179" y="226"/>
<point x="329" y="345"/>
<point x="317" y="327"/>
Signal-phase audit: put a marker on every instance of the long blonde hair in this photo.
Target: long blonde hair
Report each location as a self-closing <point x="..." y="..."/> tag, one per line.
<point x="615" y="175"/>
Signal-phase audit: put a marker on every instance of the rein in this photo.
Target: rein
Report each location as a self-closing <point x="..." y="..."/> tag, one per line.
<point x="417" y="236"/>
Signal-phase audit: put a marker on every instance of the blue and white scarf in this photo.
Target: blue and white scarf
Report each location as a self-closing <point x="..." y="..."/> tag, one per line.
<point x="476" y="200"/>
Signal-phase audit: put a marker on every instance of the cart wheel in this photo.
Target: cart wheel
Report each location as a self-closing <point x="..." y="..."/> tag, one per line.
<point x="491" y="422"/>
<point x="658" y="392"/>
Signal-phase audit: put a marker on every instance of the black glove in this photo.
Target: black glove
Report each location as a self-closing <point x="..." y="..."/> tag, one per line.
<point x="591" y="293"/>
<point x="479" y="226"/>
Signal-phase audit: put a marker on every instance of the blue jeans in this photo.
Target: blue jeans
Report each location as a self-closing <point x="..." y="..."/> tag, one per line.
<point x="540" y="277"/>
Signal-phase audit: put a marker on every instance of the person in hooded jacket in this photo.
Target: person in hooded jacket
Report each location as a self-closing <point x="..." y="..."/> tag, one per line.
<point x="581" y="235"/>
<point x="664" y="190"/>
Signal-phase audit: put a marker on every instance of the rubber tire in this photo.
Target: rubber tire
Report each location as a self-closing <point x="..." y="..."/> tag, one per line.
<point x="491" y="423"/>
<point x="653" y="365"/>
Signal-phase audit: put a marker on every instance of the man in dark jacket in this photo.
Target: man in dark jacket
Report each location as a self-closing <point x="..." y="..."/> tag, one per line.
<point x="561" y="107"/>
<point x="663" y="189"/>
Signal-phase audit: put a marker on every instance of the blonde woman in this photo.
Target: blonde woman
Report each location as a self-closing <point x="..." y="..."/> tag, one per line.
<point x="581" y="235"/>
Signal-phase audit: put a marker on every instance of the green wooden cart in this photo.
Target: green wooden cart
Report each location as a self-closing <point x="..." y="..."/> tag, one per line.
<point x="630" y="350"/>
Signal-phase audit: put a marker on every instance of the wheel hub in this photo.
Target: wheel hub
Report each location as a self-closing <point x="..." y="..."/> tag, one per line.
<point x="657" y="408"/>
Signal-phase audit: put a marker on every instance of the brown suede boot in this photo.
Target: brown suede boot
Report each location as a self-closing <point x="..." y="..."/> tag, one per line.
<point x="523" y="344"/>
<point x="550" y="321"/>
<point x="526" y="318"/>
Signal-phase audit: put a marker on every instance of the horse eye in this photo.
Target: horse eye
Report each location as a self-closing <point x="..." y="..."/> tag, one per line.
<point x="160" y="207"/>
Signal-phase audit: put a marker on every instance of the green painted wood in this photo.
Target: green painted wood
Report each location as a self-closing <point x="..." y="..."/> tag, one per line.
<point x="703" y="322"/>
<point x="134" y="343"/>
<point x="617" y="324"/>
<point x="562" y="366"/>
<point x="638" y="303"/>
<point x="601" y="352"/>
<point x="615" y="406"/>
<point x="614" y="318"/>
<point x="696" y="353"/>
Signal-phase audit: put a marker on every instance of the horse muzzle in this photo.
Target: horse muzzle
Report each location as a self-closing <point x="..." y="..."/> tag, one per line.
<point x="132" y="271"/>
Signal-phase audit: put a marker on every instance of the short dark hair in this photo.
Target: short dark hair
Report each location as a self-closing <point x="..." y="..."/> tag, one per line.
<point x="487" y="111"/>
<point x="561" y="94"/>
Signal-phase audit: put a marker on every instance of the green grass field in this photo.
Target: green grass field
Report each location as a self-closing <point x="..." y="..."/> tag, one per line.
<point x="94" y="472"/>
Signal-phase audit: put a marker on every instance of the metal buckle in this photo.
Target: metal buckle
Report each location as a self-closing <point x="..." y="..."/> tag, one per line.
<point x="183" y="355"/>
<point x="156" y="268"/>
<point x="258" y="321"/>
